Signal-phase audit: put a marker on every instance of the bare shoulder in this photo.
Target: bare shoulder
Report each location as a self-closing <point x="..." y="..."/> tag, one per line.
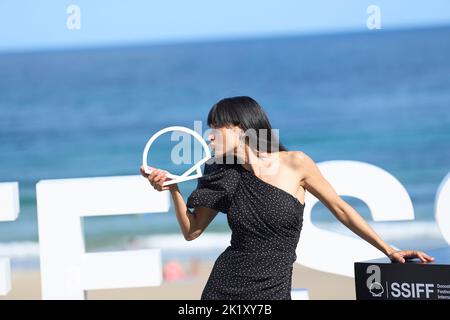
<point x="302" y="165"/>
<point x="299" y="159"/>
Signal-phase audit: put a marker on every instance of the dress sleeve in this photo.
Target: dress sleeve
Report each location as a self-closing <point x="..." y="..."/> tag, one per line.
<point x="215" y="188"/>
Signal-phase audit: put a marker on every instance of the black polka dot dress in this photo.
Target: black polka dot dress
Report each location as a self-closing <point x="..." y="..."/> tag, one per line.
<point x="265" y="223"/>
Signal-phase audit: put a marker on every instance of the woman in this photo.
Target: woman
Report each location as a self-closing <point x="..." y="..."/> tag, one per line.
<point x="262" y="191"/>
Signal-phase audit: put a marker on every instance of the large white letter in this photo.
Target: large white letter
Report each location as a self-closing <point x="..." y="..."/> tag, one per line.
<point x="66" y="269"/>
<point x="442" y="208"/>
<point x="386" y="198"/>
<point x="9" y="211"/>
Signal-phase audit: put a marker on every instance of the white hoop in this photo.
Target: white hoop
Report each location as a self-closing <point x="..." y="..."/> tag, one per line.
<point x="184" y="176"/>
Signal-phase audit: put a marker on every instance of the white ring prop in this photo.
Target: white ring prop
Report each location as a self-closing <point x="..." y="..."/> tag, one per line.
<point x="184" y="176"/>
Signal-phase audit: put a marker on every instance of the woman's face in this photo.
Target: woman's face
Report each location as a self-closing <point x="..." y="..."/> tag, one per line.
<point x="224" y="140"/>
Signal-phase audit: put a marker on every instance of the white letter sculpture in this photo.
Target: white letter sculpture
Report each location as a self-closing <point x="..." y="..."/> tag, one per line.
<point x="9" y="211"/>
<point x="442" y="208"/>
<point x="386" y="198"/>
<point x="66" y="269"/>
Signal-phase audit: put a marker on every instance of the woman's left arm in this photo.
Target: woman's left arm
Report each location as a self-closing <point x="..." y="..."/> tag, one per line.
<point x="315" y="182"/>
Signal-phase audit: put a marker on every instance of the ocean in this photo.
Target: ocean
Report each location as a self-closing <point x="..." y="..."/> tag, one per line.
<point x="381" y="97"/>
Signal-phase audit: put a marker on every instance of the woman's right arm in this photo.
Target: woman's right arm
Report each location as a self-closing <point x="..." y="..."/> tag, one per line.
<point x="192" y="224"/>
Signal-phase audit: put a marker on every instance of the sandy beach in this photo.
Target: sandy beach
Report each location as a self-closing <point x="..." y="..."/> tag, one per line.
<point x="26" y="285"/>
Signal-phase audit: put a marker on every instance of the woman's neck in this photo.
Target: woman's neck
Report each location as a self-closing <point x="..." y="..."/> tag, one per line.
<point x="258" y="162"/>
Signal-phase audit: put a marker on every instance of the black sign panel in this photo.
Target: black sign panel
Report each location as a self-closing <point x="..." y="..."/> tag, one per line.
<point x="382" y="279"/>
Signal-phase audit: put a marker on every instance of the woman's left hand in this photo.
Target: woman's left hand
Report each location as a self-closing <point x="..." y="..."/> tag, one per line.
<point x="402" y="255"/>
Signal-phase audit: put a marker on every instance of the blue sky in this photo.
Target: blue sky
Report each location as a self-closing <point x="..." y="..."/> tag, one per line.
<point x="31" y="24"/>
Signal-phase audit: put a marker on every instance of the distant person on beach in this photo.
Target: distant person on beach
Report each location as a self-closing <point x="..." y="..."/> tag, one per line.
<point x="173" y="271"/>
<point x="262" y="191"/>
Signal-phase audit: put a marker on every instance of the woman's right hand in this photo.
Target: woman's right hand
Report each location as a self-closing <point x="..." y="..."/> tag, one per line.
<point x="156" y="178"/>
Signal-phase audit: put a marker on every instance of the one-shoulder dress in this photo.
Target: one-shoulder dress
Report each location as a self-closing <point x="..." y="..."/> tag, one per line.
<point x="265" y="223"/>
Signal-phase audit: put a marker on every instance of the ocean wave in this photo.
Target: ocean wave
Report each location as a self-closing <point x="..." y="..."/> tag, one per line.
<point x="20" y="249"/>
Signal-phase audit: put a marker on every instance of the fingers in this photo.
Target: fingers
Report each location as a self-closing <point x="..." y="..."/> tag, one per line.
<point x="142" y="170"/>
<point x="157" y="178"/>
<point x="424" y="257"/>
<point x="152" y="177"/>
<point x="410" y="254"/>
<point x="401" y="259"/>
<point x="421" y="257"/>
<point x="153" y="173"/>
<point x="419" y="254"/>
<point x="397" y="257"/>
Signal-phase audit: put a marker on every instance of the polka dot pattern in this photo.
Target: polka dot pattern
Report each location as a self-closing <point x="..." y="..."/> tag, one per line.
<point x="265" y="223"/>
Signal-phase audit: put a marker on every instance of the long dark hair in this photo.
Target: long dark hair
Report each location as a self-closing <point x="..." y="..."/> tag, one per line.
<point x="246" y="113"/>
